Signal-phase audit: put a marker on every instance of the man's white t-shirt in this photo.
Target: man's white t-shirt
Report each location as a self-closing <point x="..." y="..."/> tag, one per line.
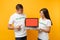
<point x="18" y="19"/>
<point x="44" y="24"/>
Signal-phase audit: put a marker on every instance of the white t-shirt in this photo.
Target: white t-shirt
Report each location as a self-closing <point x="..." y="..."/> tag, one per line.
<point x="18" y="19"/>
<point x="44" y="24"/>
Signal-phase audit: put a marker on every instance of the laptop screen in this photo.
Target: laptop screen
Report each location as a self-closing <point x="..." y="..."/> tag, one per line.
<point x="31" y="22"/>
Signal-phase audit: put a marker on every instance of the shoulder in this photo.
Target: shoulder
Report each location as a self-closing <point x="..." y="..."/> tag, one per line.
<point x="48" y="20"/>
<point x="24" y="15"/>
<point x="40" y="18"/>
<point x="49" y="23"/>
<point x="13" y="15"/>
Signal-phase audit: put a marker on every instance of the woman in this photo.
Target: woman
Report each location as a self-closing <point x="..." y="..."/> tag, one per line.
<point x="44" y="24"/>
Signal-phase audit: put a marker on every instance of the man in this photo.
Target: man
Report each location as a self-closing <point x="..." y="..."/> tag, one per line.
<point x="18" y="19"/>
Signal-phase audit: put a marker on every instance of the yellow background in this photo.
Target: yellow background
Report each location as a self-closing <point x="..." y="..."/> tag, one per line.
<point x="31" y="9"/>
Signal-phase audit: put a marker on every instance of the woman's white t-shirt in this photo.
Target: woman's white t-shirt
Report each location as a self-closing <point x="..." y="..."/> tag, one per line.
<point x="44" y="24"/>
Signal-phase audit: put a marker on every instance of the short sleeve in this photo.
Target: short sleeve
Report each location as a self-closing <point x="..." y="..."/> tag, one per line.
<point x="48" y="23"/>
<point x="39" y="22"/>
<point x="11" y="20"/>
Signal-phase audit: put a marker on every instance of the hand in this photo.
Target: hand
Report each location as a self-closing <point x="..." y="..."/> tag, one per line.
<point x="38" y="29"/>
<point x="18" y="28"/>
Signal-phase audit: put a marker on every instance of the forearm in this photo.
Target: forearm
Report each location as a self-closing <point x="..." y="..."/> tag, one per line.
<point x="45" y="30"/>
<point x="10" y="27"/>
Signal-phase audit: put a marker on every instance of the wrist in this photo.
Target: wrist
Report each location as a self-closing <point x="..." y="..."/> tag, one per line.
<point x="11" y="28"/>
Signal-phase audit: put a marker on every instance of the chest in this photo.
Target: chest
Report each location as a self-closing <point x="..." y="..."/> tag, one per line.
<point x="19" y="18"/>
<point x="43" y="23"/>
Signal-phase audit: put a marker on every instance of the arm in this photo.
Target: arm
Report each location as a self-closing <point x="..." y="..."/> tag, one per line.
<point x="10" y="27"/>
<point x="47" y="30"/>
<point x="11" y="21"/>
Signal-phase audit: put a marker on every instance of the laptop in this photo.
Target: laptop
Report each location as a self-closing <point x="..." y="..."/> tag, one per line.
<point x="32" y="22"/>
